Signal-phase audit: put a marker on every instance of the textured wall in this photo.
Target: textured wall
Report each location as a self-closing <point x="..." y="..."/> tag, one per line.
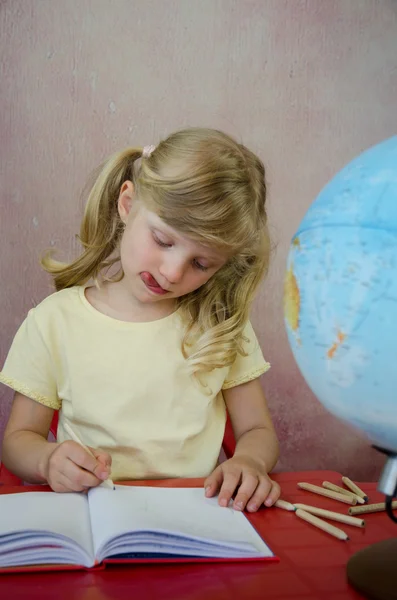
<point x="307" y="84"/>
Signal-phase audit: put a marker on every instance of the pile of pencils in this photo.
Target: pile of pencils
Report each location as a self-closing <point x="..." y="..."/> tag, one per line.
<point x="351" y="494"/>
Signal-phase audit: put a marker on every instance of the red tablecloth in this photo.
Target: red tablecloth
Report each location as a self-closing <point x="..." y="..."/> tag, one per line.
<point x="312" y="563"/>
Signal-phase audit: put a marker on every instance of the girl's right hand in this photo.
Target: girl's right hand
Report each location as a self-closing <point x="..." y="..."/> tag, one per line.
<point x="70" y="468"/>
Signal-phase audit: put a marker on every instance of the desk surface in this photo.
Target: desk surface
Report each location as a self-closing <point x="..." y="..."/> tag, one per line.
<point x="312" y="563"/>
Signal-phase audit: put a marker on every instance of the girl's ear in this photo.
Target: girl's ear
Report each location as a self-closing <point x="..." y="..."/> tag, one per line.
<point x="126" y="200"/>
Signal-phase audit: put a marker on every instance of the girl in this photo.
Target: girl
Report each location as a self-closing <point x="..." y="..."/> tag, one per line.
<point x="147" y="341"/>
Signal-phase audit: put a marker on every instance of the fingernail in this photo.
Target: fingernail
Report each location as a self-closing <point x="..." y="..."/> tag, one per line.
<point x="252" y="507"/>
<point x="207" y="490"/>
<point x="238" y="505"/>
<point x="223" y="502"/>
<point x="268" y="502"/>
<point x="104" y="475"/>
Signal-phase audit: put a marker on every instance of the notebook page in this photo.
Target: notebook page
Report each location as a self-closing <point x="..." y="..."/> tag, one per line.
<point x="64" y="514"/>
<point x="184" y="511"/>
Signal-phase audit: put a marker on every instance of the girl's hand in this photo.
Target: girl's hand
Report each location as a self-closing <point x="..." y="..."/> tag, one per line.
<point x="247" y="476"/>
<point x="70" y="468"/>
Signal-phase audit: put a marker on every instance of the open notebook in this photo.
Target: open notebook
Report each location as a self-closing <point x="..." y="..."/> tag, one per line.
<point x="135" y="523"/>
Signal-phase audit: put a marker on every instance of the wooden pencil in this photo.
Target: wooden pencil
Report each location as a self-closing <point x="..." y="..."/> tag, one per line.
<point x="338" y="533"/>
<point x="335" y="488"/>
<point x="108" y="483"/>
<point x="370" y="508"/>
<point x="327" y="493"/>
<point x="329" y="514"/>
<point x="284" y="505"/>
<point x="354" y="488"/>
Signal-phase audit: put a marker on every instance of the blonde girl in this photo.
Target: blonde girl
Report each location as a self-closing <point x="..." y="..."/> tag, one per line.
<point x="147" y="342"/>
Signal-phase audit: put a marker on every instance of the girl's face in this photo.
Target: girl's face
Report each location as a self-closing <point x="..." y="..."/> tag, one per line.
<point x="159" y="263"/>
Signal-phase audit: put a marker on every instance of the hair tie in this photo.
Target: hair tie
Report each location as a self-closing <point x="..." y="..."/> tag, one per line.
<point x="147" y="150"/>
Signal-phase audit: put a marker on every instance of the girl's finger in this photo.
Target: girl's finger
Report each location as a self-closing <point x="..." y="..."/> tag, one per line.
<point x="73" y="452"/>
<point x="231" y="480"/>
<point x="213" y="482"/>
<point x="274" y="494"/>
<point x="58" y="485"/>
<point x="79" y="478"/>
<point x="62" y="484"/>
<point x="102" y="456"/>
<point x="261" y="493"/>
<point x="247" y="488"/>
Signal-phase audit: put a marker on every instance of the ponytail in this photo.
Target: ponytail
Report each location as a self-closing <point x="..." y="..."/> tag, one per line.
<point x="101" y="226"/>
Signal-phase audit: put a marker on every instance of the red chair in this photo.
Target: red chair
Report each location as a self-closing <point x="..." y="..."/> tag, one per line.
<point x="7" y="478"/>
<point x="229" y="443"/>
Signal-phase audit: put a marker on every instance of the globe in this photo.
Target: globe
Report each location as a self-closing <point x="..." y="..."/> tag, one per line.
<point x="340" y="295"/>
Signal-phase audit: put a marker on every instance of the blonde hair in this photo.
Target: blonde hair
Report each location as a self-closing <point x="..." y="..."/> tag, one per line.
<point x="204" y="184"/>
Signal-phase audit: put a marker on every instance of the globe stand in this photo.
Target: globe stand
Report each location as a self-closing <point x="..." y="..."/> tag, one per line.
<point x="373" y="570"/>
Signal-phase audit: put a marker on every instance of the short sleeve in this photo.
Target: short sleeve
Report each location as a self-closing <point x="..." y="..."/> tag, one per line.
<point x="29" y="368"/>
<point x="247" y="366"/>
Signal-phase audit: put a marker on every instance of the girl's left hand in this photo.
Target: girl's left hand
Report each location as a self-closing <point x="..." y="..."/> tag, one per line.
<point x="247" y="476"/>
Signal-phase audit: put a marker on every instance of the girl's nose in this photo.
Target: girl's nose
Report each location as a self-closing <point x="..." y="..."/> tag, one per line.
<point x="173" y="269"/>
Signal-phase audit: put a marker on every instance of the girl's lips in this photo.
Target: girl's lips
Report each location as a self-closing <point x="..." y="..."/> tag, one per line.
<point x="152" y="284"/>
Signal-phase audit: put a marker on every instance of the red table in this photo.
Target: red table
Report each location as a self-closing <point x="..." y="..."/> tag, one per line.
<point x="312" y="563"/>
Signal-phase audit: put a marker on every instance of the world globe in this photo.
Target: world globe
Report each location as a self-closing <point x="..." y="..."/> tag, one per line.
<point x="340" y="308"/>
<point x="340" y="295"/>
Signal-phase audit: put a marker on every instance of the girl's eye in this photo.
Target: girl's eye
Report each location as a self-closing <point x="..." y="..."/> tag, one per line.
<point x="198" y="265"/>
<point x="161" y="243"/>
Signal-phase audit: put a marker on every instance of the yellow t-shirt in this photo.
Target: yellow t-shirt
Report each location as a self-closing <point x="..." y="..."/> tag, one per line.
<point x="123" y="386"/>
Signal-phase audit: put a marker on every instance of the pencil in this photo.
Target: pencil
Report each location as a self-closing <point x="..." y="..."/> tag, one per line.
<point x="285" y="505"/>
<point x="328" y="493"/>
<point x="107" y="482"/>
<point x="335" y="488"/>
<point x="354" y="488"/>
<point x="329" y="514"/>
<point x="370" y="508"/>
<point x="338" y="533"/>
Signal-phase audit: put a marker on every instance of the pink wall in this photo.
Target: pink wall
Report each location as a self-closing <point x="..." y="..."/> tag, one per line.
<point x="307" y="84"/>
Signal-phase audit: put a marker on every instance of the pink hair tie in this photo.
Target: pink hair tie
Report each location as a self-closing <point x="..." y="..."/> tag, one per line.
<point x="147" y="150"/>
